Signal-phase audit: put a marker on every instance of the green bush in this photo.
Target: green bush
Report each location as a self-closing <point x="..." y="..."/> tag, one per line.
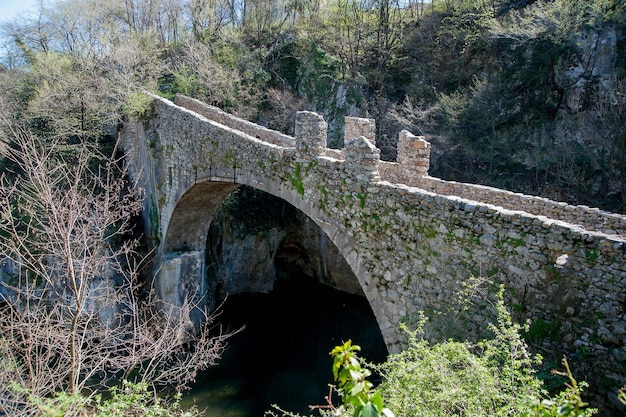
<point x="138" y="104"/>
<point x="494" y="377"/>
<point x="355" y="390"/>
<point x="127" y="400"/>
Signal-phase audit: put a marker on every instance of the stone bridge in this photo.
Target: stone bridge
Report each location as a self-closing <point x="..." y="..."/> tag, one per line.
<point x="411" y="240"/>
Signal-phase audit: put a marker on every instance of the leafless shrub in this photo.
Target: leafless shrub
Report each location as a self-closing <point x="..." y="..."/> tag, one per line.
<point x="406" y="115"/>
<point x="73" y="314"/>
<point x="281" y="107"/>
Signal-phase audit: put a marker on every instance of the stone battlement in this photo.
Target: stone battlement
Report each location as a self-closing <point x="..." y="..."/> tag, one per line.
<point x="411" y="168"/>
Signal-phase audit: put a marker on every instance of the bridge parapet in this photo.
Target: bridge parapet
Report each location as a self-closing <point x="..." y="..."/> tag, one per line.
<point x="362" y="159"/>
<point x="226" y="119"/>
<point x="413" y="155"/>
<point x="413" y="161"/>
<point x="361" y="155"/>
<point x="334" y="153"/>
<point x="592" y="219"/>
<point x="411" y="167"/>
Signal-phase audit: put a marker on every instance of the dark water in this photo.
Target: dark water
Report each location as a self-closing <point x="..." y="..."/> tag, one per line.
<point x="282" y="355"/>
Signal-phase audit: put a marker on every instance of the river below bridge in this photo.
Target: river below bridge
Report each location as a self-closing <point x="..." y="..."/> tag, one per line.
<point x="282" y="355"/>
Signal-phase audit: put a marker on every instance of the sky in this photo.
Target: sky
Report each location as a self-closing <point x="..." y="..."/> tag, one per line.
<point x="10" y="9"/>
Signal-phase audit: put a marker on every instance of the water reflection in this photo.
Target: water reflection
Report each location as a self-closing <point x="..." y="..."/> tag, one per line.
<point x="281" y="357"/>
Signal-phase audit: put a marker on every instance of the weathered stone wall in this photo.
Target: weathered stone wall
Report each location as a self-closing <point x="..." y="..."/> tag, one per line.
<point x="410" y="248"/>
<point x="218" y="115"/>
<point x="412" y="166"/>
<point x="587" y="217"/>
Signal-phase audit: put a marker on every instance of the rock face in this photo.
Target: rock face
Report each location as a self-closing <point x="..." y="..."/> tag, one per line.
<point x="255" y="239"/>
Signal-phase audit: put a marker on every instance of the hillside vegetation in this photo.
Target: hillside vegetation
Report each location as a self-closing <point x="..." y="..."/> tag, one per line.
<point x="528" y="95"/>
<point x="525" y="95"/>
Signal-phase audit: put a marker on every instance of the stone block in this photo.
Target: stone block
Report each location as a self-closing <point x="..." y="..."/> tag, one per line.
<point x="311" y="130"/>
<point x="355" y="127"/>
<point x="414" y="154"/>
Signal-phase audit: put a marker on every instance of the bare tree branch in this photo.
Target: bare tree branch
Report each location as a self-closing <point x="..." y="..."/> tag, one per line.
<point x="74" y="313"/>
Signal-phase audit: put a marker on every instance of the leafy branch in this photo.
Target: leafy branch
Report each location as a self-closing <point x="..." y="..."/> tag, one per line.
<point x="353" y="387"/>
<point x="568" y="403"/>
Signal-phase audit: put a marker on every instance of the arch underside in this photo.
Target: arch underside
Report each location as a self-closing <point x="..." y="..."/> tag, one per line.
<point x="184" y="250"/>
<point x="188" y="225"/>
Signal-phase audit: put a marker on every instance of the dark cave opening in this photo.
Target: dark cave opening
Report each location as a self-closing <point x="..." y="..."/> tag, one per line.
<point x="296" y="298"/>
<point x="282" y="354"/>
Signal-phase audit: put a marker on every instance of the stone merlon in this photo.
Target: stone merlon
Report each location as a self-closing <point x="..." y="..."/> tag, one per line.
<point x="413" y="153"/>
<point x="310" y="134"/>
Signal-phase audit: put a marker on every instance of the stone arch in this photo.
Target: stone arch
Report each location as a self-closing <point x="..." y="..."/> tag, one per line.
<point x="403" y="233"/>
<point x="190" y="220"/>
<point x="186" y="229"/>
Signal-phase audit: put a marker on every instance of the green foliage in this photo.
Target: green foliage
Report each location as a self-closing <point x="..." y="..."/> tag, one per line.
<point x="493" y="377"/>
<point x="136" y="399"/>
<point x="62" y="404"/>
<point x="67" y="96"/>
<point x="566" y="404"/>
<point x="226" y="73"/>
<point x="138" y="104"/>
<point x="362" y="199"/>
<point x="153" y="216"/>
<point x="297" y="180"/>
<point x="545" y="42"/>
<point x="303" y="65"/>
<point x="621" y="395"/>
<point x="185" y="81"/>
<point x="127" y="400"/>
<point x="591" y="256"/>
<point x="355" y="390"/>
<point x="540" y="330"/>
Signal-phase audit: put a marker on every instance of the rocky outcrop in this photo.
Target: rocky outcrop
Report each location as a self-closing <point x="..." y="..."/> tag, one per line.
<point x="256" y="239"/>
